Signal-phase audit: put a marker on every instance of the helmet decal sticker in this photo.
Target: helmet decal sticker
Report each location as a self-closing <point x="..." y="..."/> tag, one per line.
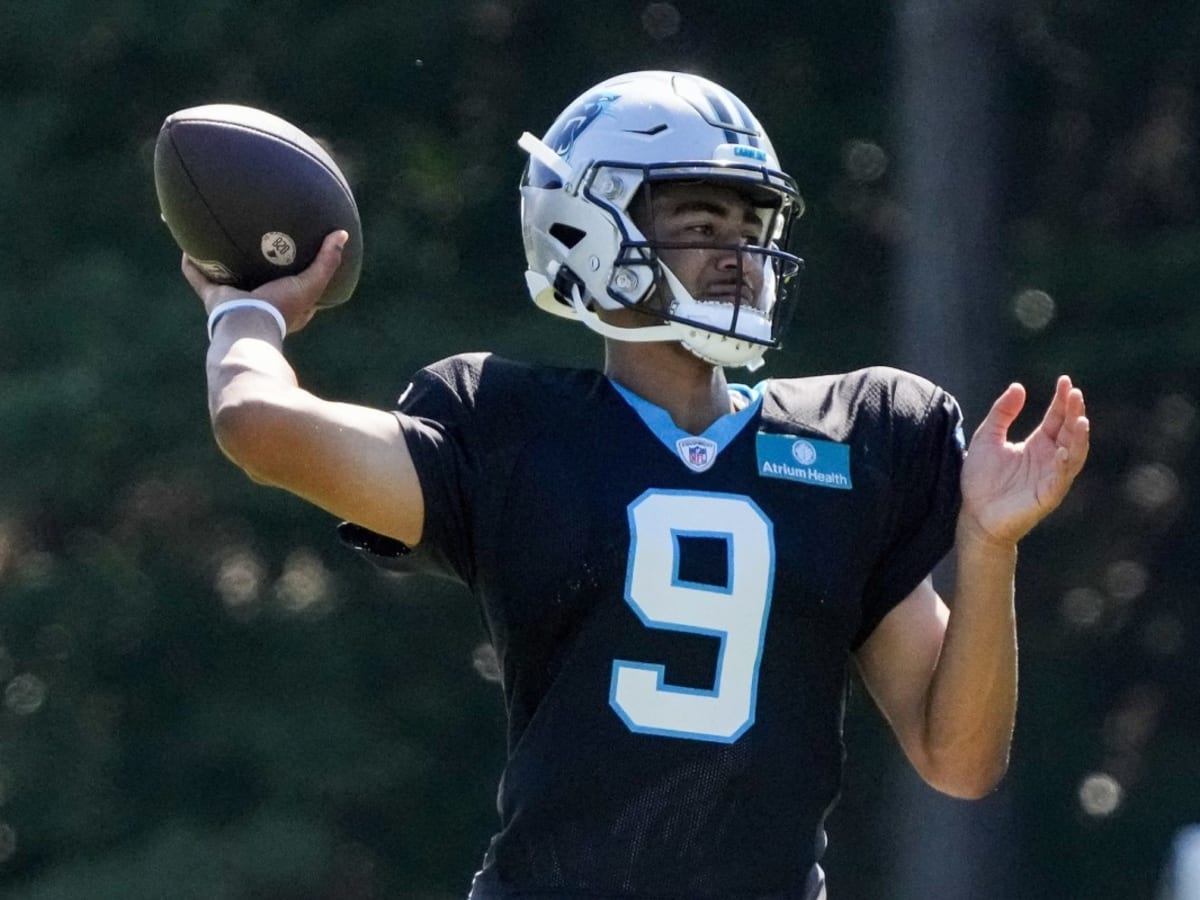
<point x="720" y="109"/>
<point x="753" y="130"/>
<point x="575" y="123"/>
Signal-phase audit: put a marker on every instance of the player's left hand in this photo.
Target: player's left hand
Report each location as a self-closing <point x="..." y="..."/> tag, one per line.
<point x="1009" y="487"/>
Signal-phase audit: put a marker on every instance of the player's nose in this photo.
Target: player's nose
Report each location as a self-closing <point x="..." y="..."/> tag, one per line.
<point x="741" y="263"/>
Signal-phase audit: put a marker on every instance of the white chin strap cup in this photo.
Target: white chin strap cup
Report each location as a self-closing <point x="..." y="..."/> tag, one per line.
<point x="717" y="349"/>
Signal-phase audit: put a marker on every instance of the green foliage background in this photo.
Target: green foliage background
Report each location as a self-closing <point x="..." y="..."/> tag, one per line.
<point x="204" y="696"/>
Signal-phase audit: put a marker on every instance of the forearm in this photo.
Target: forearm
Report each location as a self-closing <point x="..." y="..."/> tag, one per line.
<point x="246" y="349"/>
<point x="247" y="376"/>
<point x="971" y="703"/>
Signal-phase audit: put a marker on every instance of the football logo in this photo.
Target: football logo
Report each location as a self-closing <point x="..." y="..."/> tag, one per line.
<point x="278" y="248"/>
<point x="697" y="453"/>
<point x="214" y="271"/>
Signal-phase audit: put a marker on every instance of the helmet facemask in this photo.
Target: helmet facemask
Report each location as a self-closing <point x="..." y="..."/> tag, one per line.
<point x="739" y="308"/>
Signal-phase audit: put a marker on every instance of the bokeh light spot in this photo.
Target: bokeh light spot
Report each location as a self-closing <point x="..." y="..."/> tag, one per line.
<point x="1151" y="486"/>
<point x="1034" y="309"/>
<point x="1082" y="608"/>
<point x="25" y="694"/>
<point x="661" y="20"/>
<point x="1100" y="794"/>
<point x="1126" y="579"/>
<point x="304" y="586"/>
<point x="239" y="583"/>
<point x="864" y="161"/>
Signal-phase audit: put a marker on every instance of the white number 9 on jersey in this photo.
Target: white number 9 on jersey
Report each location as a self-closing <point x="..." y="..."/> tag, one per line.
<point x="735" y="612"/>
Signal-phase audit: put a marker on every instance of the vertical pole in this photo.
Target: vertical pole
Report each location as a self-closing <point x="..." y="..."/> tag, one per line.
<point x="948" y="330"/>
<point x="949" y="128"/>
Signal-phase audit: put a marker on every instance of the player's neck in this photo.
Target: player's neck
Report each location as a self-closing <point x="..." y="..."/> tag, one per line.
<point x="694" y="393"/>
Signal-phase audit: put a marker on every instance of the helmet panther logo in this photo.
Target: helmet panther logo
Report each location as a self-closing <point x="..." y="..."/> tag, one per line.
<point x="577" y="123"/>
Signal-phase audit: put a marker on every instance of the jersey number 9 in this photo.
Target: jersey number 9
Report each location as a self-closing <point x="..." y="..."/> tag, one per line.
<point x="736" y="613"/>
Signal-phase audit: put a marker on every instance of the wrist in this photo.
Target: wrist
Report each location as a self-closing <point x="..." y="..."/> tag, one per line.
<point x="970" y="534"/>
<point x="246" y="303"/>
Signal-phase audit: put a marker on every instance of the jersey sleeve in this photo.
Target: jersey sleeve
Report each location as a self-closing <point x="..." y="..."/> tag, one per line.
<point x="927" y="499"/>
<point x="435" y="415"/>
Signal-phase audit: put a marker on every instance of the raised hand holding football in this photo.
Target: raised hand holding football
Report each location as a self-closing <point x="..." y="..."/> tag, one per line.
<point x="249" y="197"/>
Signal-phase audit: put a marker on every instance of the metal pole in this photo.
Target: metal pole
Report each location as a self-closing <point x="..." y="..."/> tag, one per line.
<point x="948" y="330"/>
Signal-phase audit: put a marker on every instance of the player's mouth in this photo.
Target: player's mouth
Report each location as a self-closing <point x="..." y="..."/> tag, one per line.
<point x="730" y="292"/>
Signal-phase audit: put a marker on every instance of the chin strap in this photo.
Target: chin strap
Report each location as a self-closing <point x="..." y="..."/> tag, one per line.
<point x="644" y="334"/>
<point x="649" y="333"/>
<point x="693" y="337"/>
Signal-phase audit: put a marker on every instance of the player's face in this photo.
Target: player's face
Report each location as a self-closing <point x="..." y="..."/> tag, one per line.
<point x="721" y="223"/>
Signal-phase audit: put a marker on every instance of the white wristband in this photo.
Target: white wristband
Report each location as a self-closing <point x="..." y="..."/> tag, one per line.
<point x="248" y="303"/>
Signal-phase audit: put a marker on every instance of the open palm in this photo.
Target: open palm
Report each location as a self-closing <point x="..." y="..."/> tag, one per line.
<point x="1009" y="487"/>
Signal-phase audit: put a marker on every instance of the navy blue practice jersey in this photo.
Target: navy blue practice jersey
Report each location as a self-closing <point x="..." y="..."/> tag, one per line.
<point x="674" y="614"/>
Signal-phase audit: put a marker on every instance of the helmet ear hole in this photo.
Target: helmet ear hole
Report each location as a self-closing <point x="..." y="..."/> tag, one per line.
<point x="566" y="235"/>
<point x="565" y="281"/>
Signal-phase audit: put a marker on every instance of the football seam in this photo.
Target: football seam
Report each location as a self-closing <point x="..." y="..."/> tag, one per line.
<point x="337" y="174"/>
<point x="195" y="187"/>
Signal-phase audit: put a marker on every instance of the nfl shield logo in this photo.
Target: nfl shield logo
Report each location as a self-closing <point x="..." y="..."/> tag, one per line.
<point x="697" y="453"/>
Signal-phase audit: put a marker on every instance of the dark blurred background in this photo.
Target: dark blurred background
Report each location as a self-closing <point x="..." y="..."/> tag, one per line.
<point x="205" y="696"/>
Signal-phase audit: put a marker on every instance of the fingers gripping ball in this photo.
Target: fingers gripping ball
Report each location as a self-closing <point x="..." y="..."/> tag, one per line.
<point x="249" y="197"/>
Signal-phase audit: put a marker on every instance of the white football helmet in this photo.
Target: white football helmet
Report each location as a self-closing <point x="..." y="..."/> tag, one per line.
<point x="583" y="248"/>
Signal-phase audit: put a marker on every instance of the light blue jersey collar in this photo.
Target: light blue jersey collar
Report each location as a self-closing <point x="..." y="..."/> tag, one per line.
<point x="698" y="452"/>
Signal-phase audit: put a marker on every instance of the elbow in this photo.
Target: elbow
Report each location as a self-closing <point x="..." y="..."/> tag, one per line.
<point x="973" y="788"/>
<point x="966" y="780"/>
<point x="242" y="431"/>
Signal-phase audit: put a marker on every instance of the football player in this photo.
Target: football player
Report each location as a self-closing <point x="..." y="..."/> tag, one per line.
<point x="677" y="572"/>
